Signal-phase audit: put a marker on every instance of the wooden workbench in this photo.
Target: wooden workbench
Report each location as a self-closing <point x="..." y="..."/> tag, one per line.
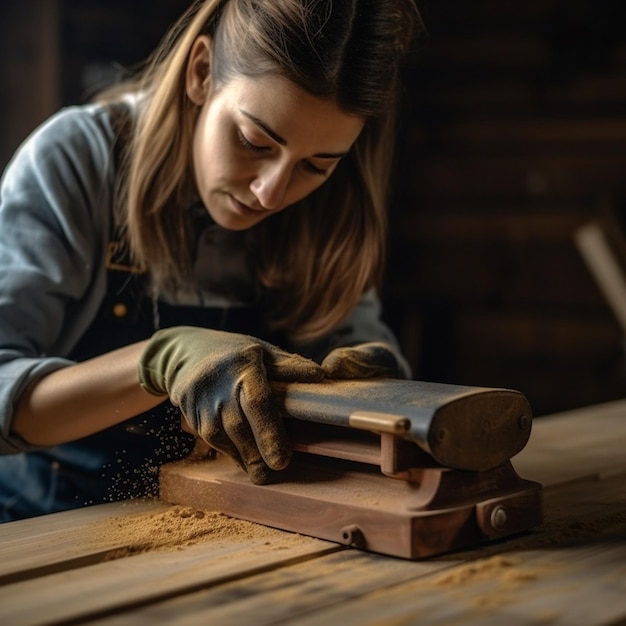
<point x="83" y="567"/>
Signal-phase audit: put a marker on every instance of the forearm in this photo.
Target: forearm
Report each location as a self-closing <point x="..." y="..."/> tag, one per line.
<point x="83" y="399"/>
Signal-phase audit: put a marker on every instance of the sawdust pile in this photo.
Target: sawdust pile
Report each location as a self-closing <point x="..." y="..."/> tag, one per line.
<point x="174" y="528"/>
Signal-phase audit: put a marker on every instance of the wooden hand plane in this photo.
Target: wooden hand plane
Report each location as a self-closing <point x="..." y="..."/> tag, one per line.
<point x="400" y="467"/>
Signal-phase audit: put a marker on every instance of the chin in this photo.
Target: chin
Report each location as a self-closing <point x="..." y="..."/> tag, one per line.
<point x="237" y="223"/>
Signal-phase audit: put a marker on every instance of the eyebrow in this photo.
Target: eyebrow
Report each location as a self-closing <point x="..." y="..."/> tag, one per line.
<point x="283" y="142"/>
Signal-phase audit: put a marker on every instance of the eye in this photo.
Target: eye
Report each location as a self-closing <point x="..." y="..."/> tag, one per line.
<point x="248" y="145"/>
<point x="314" y="170"/>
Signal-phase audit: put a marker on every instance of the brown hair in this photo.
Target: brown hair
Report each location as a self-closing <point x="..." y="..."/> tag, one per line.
<point x="318" y="257"/>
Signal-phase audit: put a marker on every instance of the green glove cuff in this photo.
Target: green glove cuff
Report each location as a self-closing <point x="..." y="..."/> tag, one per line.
<point x="166" y="347"/>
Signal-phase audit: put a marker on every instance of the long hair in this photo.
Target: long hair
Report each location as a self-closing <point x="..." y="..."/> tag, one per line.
<point x="316" y="258"/>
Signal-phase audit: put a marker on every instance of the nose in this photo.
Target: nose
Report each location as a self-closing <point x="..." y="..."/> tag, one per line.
<point x="270" y="186"/>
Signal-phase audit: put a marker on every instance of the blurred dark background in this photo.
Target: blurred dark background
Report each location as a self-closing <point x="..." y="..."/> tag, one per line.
<point x="512" y="135"/>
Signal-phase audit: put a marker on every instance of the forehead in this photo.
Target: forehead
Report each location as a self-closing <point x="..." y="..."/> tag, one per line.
<point x="291" y="112"/>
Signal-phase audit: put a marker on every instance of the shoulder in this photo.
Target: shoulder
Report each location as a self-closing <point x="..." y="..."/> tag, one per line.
<point x="73" y="132"/>
<point x="69" y="159"/>
<point x="62" y="179"/>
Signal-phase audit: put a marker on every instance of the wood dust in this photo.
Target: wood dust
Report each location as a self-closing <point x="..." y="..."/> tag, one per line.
<point x="503" y="577"/>
<point x="503" y="568"/>
<point x="483" y="569"/>
<point x="174" y="528"/>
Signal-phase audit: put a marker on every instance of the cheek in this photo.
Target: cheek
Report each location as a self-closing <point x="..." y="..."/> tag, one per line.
<point x="208" y="163"/>
<point x="205" y="145"/>
<point x="198" y="153"/>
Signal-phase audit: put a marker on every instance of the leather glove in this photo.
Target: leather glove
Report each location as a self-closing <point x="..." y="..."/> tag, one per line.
<point x="220" y="381"/>
<point x="366" y="360"/>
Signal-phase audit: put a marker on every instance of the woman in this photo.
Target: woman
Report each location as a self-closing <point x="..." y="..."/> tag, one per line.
<point x="158" y="246"/>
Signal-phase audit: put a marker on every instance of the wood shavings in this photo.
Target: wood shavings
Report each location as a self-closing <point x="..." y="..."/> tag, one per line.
<point x="174" y="528"/>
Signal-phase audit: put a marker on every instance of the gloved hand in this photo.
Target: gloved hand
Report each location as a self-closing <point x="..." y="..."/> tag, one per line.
<point x="366" y="360"/>
<point x="220" y="382"/>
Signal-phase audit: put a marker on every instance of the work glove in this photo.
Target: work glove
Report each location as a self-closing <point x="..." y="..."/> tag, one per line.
<point x="220" y="381"/>
<point x="366" y="360"/>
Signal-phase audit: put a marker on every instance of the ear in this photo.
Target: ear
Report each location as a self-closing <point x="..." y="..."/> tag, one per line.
<point x="198" y="72"/>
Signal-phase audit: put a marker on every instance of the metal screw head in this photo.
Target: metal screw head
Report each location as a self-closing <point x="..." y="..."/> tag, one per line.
<point x="524" y="422"/>
<point x="498" y="517"/>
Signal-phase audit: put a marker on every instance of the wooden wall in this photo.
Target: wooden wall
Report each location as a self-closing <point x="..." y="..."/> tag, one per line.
<point x="29" y="68"/>
<point x="512" y="135"/>
<point x="59" y="52"/>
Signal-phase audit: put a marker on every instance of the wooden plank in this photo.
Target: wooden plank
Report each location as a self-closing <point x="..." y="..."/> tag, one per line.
<point x="70" y="521"/>
<point x="492" y="583"/>
<point x="569" y="571"/>
<point x="61" y="541"/>
<point x="575" y="444"/>
<point x="606" y="264"/>
<point x="260" y="570"/>
<point x="567" y="587"/>
<point x="282" y="595"/>
<point x="91" y="590"/>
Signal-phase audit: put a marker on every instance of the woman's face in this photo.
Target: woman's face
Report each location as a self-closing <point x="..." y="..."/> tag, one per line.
<point x="262" y="144"/>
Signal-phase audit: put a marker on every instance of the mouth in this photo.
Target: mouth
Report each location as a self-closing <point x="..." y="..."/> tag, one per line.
<point x="243" y="208"/>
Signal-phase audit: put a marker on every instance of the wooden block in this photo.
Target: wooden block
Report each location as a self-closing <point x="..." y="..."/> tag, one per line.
<point x="356" y="505"/>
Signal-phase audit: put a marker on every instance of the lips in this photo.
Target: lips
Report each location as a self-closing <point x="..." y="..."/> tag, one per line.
<point x="242" y="207"/>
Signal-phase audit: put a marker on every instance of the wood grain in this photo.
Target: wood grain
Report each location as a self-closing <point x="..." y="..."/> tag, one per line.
<point x="571" y="570"/>
<point x="87" y="590"/>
